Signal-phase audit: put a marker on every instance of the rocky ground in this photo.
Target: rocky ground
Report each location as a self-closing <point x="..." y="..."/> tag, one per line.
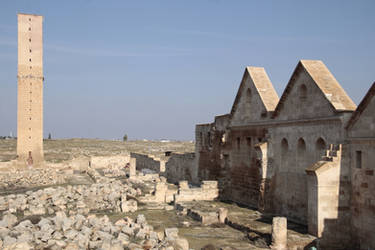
<point x="76" y="217"/>
<point x="66" y="206"/>
<point x="106" y="213"/>
<point x="85" y="232"/>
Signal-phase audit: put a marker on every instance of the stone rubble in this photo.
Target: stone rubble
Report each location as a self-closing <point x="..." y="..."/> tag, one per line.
<point x="86" y="232"/>
<point x="32" y="177"/>
<point x="108" y="195"/>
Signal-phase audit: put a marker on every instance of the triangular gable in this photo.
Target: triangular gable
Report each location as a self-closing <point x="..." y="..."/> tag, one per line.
<point x="329" y="85"/>
<point x="331" y="93"/>
<point x="362" y="107"/>
<point x="263" y="96"/>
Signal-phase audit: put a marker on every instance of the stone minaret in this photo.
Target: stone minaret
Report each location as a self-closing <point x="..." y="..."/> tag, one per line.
<point x="30" y="90"/>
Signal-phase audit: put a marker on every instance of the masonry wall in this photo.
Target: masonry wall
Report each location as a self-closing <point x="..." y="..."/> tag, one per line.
<point x="180" y="167"/>
<point x="212" y="155"/>
<point x="146" y="162"/>
<point x="363" y="195"/>
<point x="30" y="88"/>
<point x="362" y="154"/>
<point x="245" y="169"/>
<point x="250" y="107"/>
<point x="294" y="147"/>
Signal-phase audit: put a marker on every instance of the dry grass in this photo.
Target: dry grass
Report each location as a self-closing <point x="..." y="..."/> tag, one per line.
<point x="67" y="149"/>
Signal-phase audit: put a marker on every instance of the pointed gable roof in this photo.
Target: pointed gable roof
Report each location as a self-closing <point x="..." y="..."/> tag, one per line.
<point x="362" y="106"/>
<point x="263" y="86"/>
<point x="325" y="81"/>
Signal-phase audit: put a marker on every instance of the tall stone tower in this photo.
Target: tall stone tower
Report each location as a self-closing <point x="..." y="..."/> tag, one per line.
<point x="30" y="90"/>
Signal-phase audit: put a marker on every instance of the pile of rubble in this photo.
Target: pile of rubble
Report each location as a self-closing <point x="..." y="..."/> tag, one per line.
<point x="32" y="177"/>
<point x="86" y="232"/>
<point x="108" y="195"/>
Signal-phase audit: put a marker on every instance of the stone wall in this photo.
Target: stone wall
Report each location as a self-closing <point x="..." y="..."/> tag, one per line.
<point x="212" y="155"/>
<point x="361" y="136"/>
<point x="109" y="161"/>
<point x="245" y="169"/>
<point x="293" y="148"/>
<point x="363" y="200"/>
<point x="180" y="167"/>
<point x="206" y="192"/>
<point x="147" y="162"/>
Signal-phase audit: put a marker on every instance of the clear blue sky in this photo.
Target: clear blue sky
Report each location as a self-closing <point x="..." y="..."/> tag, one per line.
<point x="154" y="69"/>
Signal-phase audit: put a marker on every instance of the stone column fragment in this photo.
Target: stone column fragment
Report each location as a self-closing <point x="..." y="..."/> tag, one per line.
<point x="279" y="233"/>
<point x="132" y="169"/>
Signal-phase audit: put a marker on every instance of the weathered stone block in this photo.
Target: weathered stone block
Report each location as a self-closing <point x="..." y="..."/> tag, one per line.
<point x="279" y="233"/>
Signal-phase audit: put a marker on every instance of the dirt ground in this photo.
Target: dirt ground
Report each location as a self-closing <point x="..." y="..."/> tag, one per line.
<point x="66" y="149"/>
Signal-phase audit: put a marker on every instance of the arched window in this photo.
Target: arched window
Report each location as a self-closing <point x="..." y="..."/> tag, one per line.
<point x="301" y="152"/>
<point x="284" y="153"/>
<point x="320" y="144"/>
<point x="284" y="147"/>
<point x="320" y="147"/>
<point x="303" y="92"/>
<point x="301" y="146"/>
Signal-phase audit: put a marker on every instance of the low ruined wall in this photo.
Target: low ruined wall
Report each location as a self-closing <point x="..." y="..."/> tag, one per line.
<point x="207" y="192"/>
<point x="180" y="167"/>
<point x="109" y="161"/>
<point x="162" y="193"/>
<point x="146" y="162"/>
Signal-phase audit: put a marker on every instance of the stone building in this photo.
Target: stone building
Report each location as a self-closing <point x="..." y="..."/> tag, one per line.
<point x="30" y="89"/>
<point x="298" y="156"/>
<point x="361" y="139"/>
<point x="310" y="115"/>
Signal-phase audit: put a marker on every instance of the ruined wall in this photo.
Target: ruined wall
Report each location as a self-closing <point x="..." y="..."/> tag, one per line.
<point x="245" y="170"/>
<point x="146" y="162"/>
<point x="212" y="157"/>
<point x="206" y="157"/>
<point x="30" y="89"/>
<point x="109" y="161"/>
<point x="208" y="191"/>
<point x="202" y="137"/>
<point x="180" y="167"/>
